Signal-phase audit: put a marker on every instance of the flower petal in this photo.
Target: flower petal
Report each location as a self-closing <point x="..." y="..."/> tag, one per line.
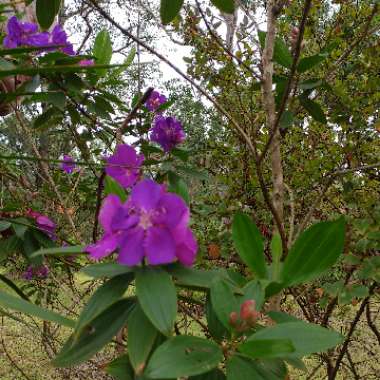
<point x="146" y="194"/>
<point x="103" y="247"/>
<point x="131" y="251"/>
<point x="174" y="211"/>
<point x="159" y="246"/>
<point x="111" y="207"/>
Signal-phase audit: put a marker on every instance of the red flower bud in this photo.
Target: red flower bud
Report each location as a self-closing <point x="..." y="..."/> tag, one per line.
<point x="248" y="312"/>
<point x="234" y="317"/>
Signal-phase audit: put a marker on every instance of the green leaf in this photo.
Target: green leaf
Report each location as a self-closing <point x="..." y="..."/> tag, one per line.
<point x="8" y="246"/>
<point x="18" y="304"/>
<point x="314" y="109"/>
<point x="141" y="337"/>
<point x="158" y="297"/>
<point x="253" y="291"/>
<point x="307" y="338"/>
<point x="215" y="374"/>
<point x="287" y="120"/>
<point x="102" y="50"/>
<point x="60" y="251"/>
<point x="4" y="225"/>
<point x="183" y="356"/>
<point x="112" y="187"/>
<point x="226" y="6"/>
<point x="20" y="226"/>
<point x="105" y="296"/>
<point x="121" y="369"/>
<point x="308" y="63"/>
<point x="169" y="9"/>
<point x="223" y="301"/>
<point x="280" y="317"/>
<point x="240" y="368"/>
<point x="267" y="349"/>
<point x="281" y="54"/>
<point x="194" y="278"/>
<point x="105" y="270"/>
<point x="216" y="328"/>
<point x="178" y="186"/>
<point x="95" y="335"/>
<point x="46" y="11"/>
<point x="249" y="244"/>
<point x="315" y="251"/>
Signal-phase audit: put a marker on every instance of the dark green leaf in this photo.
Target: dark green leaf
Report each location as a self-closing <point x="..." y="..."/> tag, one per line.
<point x="169" y="9"/>
<point x="287" y="120"/>
<point x="183" y="356"/>
<point x="20" y="226"/>
<point x="158" y="298"/>
<point x="105" y="296"/>
<point x="215" y="374"/>
<point x="314" y="109"/>
<point x="121" y="369"/>
<point x="227" y="6"/>
<point x="95" y="335"/>
<point x="315" y="251"/>
<point x="141" y="337"/>
<point x="308" y="63"/>
<point x="281" y="54"/>
<point x="249" y="244"/>
<point x="253" y="291"/>
<point x="9" y="246"/>
<point x="240" y="368"/>
<point x="223" y="301"/>
<point x="216" y="328"/>
<point x="18" y="304"/>
<point x="46" y="11"/>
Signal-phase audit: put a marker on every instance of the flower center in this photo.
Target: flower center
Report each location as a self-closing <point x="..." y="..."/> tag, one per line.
<point x="145" y="219"/>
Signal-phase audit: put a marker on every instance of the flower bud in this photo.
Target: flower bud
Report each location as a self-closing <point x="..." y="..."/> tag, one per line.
<point x="234" y="317"/>
<point x="248" y="312"/>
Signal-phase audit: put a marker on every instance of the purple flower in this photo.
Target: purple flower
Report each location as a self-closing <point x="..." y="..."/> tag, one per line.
<point x="41" y="272"/>
<point x="124" y="165"/>
<point x="45" y="224"/>
<point x="24" y="34"/>
<point x="68" y="165"/>
<point x="168" y="132"/>
<point x="152" y="224"/>
<point x="86" y="62"/>
<point x="155" y="100"/>
<point x="59" y="37"/>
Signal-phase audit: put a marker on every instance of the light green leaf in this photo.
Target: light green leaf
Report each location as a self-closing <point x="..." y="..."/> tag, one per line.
<point x="105" y="270"/>
<point x="18" y="304"/>
<point x="60" y="251"/>
<point x="267" y="349"/>
<point x="307" y="338"/>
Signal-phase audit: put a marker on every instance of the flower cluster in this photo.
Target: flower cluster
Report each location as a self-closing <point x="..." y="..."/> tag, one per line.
<point x="41" y="272"/>
<point x="26" y="34"/>
<point x="166" y="131"/>
<point x="68" y="164"/>
<point x="247" y="318"/>
<point x="43" y="223"/>
<point x="152" y="225"/>
<point x="155" y="100"/>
